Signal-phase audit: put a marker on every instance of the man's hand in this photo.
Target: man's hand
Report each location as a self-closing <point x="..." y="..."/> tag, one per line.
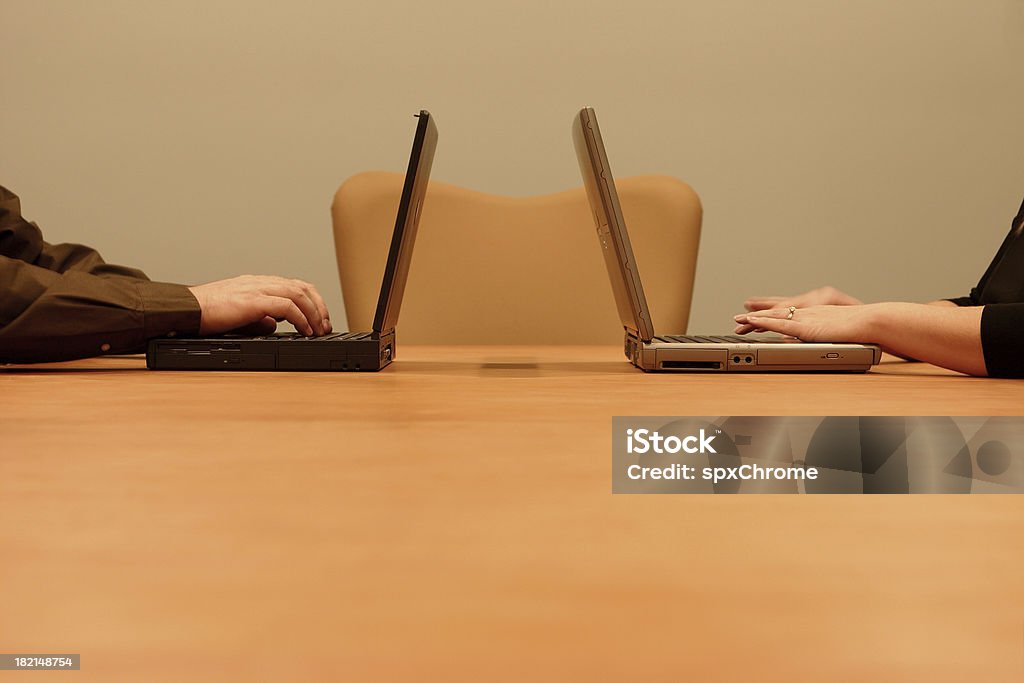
<point x="258" y="302"/>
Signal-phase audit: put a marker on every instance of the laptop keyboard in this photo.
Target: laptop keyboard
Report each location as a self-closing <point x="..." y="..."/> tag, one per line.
<point x="337" y="336"/>
<point x="683" y="339"/>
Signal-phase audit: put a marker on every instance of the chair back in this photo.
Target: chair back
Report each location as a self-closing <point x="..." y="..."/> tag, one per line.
<point x="489" y="269"/>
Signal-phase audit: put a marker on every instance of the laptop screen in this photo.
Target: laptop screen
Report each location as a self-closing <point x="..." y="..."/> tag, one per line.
<point x="611" y="228"/>
<point x="396" y="272"/>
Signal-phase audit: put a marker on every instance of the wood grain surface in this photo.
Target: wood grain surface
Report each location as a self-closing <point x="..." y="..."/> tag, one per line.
<point x="450" y="518"/>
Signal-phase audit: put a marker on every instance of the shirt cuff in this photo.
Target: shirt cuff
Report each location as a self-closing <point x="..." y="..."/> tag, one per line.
<point x="168" y="310"/>
<point x="1002" y="339"/>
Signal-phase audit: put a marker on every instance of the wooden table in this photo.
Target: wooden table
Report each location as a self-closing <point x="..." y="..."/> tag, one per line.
<point x="451" y="518"/>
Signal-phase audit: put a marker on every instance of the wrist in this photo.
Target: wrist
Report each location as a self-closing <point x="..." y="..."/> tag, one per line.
<point x="197" y="294"/>
<point x="882" y="321"/>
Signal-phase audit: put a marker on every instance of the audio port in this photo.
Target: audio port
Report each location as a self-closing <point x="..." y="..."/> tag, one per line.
<point x="735" y="359"/>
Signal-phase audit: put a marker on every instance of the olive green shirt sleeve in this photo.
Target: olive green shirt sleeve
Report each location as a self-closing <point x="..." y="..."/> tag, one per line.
<point x="59" y="302"/>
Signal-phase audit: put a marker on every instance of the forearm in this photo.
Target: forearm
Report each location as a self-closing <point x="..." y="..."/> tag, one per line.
<point x="945" y="303"/>
<point x="948" y="336"/>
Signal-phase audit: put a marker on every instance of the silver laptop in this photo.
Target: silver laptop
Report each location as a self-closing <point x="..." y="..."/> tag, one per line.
<point x="680" y="353"/>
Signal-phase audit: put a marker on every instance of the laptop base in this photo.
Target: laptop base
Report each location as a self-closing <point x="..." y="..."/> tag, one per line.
<point x="751" y="355"/>
<point x="355" y="352"/>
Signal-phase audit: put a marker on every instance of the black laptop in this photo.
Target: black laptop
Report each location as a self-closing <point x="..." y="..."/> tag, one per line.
<point x="354" y="351"/>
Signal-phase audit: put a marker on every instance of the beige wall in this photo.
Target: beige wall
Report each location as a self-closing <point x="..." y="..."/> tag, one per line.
<point x="873" y="145"/>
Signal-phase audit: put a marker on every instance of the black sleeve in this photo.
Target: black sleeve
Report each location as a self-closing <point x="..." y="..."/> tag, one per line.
<point x="1003" y="280"/>
<point x="1002" y="339"/>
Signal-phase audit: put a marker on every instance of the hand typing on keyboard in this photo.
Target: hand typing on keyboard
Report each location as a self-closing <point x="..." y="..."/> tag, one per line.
<point x="256" y="303"/>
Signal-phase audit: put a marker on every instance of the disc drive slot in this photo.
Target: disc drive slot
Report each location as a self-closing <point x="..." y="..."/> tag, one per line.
<point x="710" y="360"/>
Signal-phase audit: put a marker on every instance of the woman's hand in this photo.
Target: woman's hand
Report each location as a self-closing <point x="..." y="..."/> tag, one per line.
<point x="822" y="296"/>
<point x="815" y="323"/>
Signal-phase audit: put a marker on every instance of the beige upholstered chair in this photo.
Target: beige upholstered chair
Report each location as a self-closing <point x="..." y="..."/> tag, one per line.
<point x="489" y="269"/>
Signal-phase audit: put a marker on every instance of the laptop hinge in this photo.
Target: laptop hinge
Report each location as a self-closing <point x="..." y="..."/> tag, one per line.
<point x="636" y="335"/>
